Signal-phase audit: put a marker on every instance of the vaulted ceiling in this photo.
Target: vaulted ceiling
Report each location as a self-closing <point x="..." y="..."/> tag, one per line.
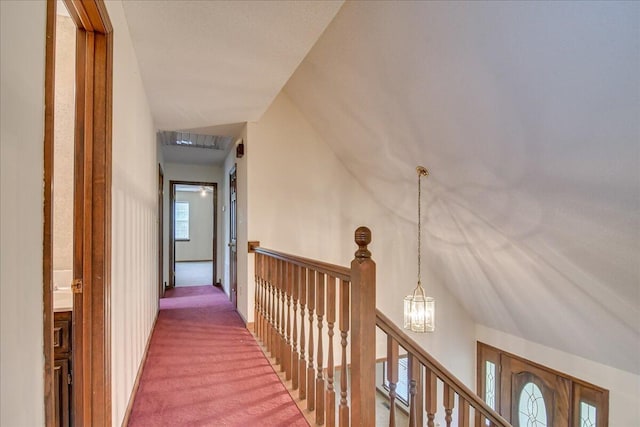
<point x="207" y="63"/>
<point x="526" y="113"/>
<point x="528" y="116"/>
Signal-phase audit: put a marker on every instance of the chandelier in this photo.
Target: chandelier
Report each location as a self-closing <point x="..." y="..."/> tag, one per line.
<point x="419" y="310"/>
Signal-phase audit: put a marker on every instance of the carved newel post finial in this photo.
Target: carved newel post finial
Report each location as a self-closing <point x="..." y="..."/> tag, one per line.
<point x="362" y="239"/>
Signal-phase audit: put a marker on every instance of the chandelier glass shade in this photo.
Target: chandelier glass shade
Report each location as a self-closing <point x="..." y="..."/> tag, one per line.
<point x="419" y="310"/>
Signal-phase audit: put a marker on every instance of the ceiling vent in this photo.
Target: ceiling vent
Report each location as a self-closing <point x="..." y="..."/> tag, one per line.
<point x="188" y="139"/>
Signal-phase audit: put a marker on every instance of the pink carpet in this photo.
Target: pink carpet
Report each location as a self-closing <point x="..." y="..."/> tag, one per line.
<point x="204" y="368"/>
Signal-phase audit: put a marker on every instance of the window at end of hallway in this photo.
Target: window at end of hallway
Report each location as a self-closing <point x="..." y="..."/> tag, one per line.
<point x="181" y="221"/>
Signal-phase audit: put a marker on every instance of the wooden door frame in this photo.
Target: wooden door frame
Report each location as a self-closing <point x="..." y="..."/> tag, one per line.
<point x="596" y="394"/>
<point x="91" y="362"/>
<point x="172" y="240"/>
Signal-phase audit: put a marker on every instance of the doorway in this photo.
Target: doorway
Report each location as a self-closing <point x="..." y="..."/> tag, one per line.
<point x="82" y="335"/>
<point x="233" y="237"/>
<point x="193" y="233"/>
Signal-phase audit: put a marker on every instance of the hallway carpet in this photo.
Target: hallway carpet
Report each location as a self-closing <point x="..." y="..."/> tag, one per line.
<point x="204" y="368"/>
<point x="194" y="273"/>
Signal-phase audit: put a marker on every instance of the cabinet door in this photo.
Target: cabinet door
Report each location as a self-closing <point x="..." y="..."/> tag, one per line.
<point x="61" y="387"/>
<point x="61" y="334"/>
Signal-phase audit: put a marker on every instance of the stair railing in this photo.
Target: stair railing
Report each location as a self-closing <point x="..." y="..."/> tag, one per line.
<point x="297" y="304"/>
<point x="425" y="369"/>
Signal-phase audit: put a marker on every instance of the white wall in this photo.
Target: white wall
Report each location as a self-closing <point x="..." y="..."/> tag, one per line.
<point x="63" y="144"/>
<point x="302" y="200"/>
<point x="199" y="173"/>
<point x="22" y="56"/>
<point x="199" y="247"/>
<point x="624" y="387"/>
<point x="134" y="290"/>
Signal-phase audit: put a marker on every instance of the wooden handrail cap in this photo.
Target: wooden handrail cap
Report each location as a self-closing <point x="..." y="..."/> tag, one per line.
<point x="362" y="239"/>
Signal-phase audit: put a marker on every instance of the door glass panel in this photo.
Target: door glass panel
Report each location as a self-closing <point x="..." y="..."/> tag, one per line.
<point x="490" y="384"/>
<point x="587" y="415"/>
<point x="532" y="411"/>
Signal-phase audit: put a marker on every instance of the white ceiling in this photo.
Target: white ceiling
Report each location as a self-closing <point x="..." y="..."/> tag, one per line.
<point x="527" y="115"/>
<point x="209" y="63"/>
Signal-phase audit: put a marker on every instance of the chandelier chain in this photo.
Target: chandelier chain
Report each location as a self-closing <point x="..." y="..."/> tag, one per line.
<point x="419" y="228"/>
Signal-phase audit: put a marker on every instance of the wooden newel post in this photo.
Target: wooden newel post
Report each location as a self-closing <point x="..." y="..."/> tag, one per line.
<point x="363" y="332"/>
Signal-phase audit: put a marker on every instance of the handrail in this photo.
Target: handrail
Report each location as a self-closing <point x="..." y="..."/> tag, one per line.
<point x="301" y="303"/>
<point x="332" y="299"/>
<point x="337" y="271"/>
<point x="423" y="356"/>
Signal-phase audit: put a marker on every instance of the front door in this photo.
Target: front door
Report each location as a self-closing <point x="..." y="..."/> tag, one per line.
<point x="532" y="396"/>
<point x="528" y="394"/>
<point x="233" y="238"/>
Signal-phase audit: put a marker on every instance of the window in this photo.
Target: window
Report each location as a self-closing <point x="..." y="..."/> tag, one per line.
<point x="181" y="221"/>
<point x="490" y="384"/>
<point x="532" y="411"/>
<point x="587" y="415"/>
<point x="402" y="387"/>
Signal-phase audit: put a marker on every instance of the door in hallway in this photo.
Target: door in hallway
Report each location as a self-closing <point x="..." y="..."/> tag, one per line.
<point x="233" y="238"/>
<point x="77" y="141"/>
<point x="193" y="235"/>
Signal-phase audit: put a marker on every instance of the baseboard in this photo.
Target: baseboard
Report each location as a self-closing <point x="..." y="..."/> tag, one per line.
<point x="251" y="326"/>
<point x="136" y="384"/>
<point x="243" y="319"/>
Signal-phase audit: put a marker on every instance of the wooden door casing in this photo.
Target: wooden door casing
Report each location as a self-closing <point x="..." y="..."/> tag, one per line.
<point x="596" y="398"/>
<point x="233" y="237"/>
<point x="172" y="240"/>
<point x="563" y="394"/>
<point x="91" y="359"/>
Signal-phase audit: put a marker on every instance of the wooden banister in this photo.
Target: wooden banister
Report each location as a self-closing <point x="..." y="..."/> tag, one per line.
<point x="433" y="366"/>
<point x="298" y="302"/>
<point x="319" y="266"/>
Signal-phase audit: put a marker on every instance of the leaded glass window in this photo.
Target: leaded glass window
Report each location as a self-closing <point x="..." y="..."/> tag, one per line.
<point x="490" y="384"/>
<point x="587" y="415"/>
<point x="532" y="411"/>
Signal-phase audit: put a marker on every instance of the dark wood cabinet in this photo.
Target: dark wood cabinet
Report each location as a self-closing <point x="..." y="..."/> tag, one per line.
<point x="62" y="367"/>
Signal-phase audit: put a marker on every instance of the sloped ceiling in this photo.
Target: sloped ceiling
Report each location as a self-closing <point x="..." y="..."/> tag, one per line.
<point x="207" y="63"/>
<point x="527" y="115"/>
